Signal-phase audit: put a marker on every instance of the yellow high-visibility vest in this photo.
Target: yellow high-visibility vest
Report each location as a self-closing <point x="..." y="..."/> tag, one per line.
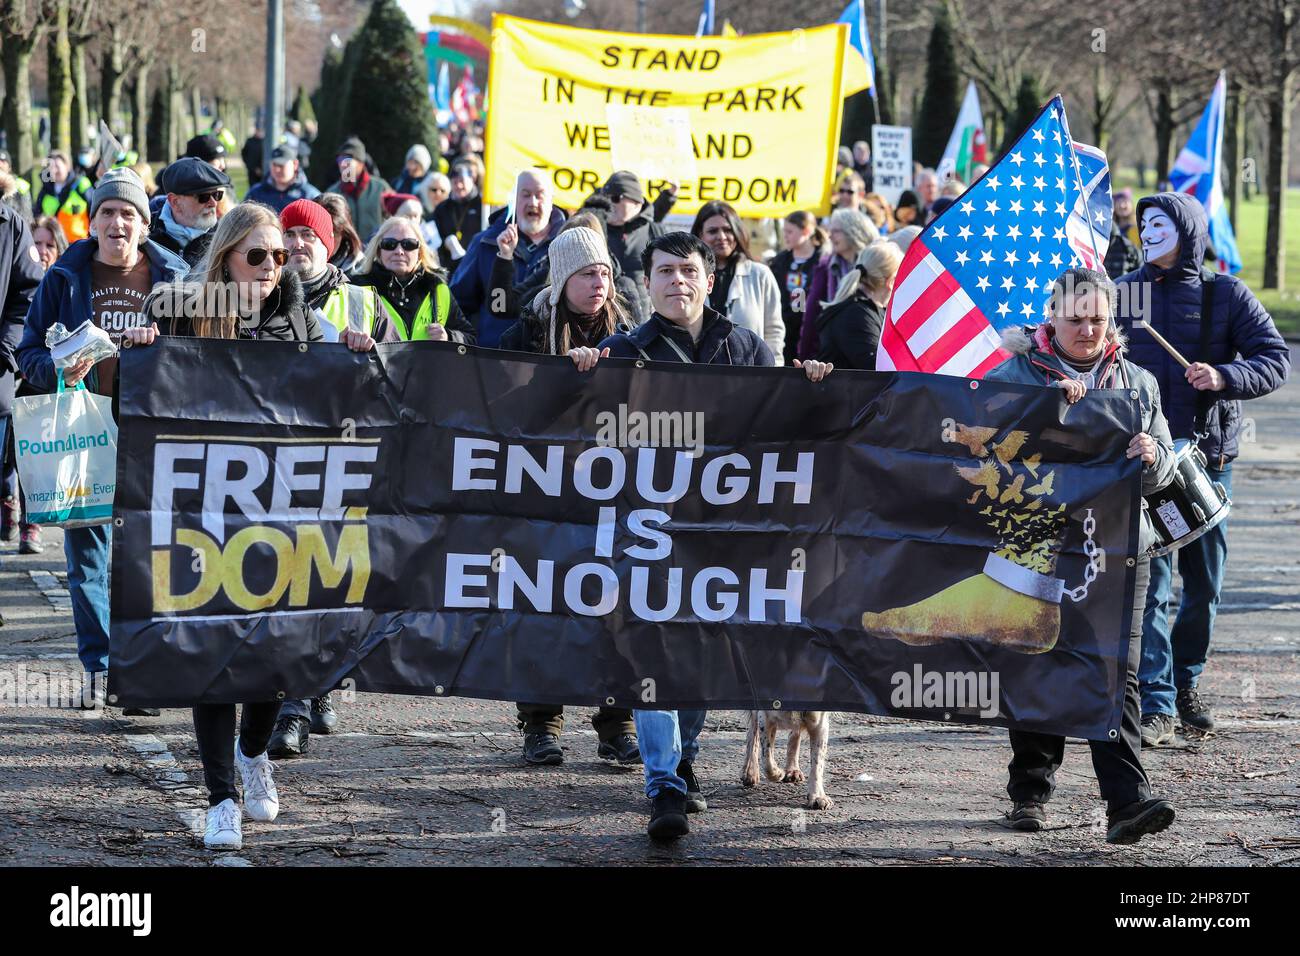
<point x="424" y="316"/>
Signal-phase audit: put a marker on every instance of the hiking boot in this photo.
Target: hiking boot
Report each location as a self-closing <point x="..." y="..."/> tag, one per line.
<point x="1193" y="712"/>
<point x="1129" y="824"/>
<point x="695" y="802"/>
<point x="543" y="750"/>
<point x="323" y="716"/>
<point x="291" y="737"/>
<point x="1157" y="729"/>
<point x="668" y="818"/>
<point x="622" y="748"/>
<point x="29" y="541"/>
<point x="1028" y="816"/>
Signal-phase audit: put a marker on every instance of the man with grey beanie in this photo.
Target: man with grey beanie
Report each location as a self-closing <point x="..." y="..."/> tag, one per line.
<point x="104" y="278"/>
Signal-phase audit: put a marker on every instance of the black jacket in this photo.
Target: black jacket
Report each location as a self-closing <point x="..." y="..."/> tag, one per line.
<point x="191" y="251"/>
<point x="462" y="218"/>
<point x="626" y="244"/>
<point x="458" y="327"/>
<point x="781" y="265"/>
<point x="284" y="316"/>
<point x="722" y="342"/>
<point x="20" y="274"/>
<point x="1122" y="257"/>
<point x="516" y="298"/>
<point x="848" y="334"/>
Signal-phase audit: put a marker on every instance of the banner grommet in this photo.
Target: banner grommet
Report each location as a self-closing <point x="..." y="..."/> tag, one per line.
<point x="1114" y="734"/>
<point x="640" y="363"/>
<point x="438" y="689"/>
<point x="776" y="705"/>
<point x="974" y="384"/>
<point x="118" y="522"/>
<point x="947" y="716"/>
<point x="1130" y="562"/>
<point x="279" y="695"/>
<point x="609" y="701"/>
<point x="302" y="346"/>
<point x="461" y="350"/>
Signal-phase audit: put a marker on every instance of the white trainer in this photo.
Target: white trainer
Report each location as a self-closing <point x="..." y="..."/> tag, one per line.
<point x="223" y="831"/>
<point x="260" y="799"/>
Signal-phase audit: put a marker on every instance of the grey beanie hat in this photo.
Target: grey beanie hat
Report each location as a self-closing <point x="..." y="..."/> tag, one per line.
<point x="857" y="228"/>
<point x="572" y="251"/>
<point x="121" y="183"/>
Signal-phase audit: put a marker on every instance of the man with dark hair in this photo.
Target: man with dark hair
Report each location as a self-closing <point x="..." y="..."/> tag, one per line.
<point x="678" y="271"/>
<point x="285" y="183"/>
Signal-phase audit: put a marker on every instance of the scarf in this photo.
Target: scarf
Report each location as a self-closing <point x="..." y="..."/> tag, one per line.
<point x="186" y="234"/>
<point x="1085" y="372"/>
<point x="355" y="189"/>
<point x="316" y="289"/>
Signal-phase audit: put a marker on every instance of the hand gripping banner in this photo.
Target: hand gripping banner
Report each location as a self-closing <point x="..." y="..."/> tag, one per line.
<point x="440" y="520"/>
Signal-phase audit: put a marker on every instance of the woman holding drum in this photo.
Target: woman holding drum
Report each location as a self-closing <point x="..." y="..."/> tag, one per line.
<point x="1079" y="348"/>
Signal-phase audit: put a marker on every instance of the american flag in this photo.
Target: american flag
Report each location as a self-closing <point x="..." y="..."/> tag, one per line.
<point x="989" y="260"/>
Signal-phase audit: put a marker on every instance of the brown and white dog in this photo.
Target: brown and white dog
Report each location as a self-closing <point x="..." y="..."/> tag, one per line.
<point x="795" y="722"/>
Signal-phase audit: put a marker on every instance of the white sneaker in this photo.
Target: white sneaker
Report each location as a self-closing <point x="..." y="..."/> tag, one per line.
<point x="260" y="799"/>
<point x="223" y="831"/>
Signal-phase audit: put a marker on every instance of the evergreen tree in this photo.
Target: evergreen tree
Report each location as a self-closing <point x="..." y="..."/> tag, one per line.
<point x="942" y="100"/>
<point x="387" y="101"/>
<point x="156" y="130"/>
<point x="302" y="109"/>
<point x="1029" y="100"/>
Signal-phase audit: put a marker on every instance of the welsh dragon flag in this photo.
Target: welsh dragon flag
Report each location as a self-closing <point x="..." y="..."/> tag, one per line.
<point x="966" y="146"/>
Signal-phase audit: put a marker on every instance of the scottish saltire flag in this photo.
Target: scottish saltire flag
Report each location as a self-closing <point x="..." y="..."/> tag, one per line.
<point x="1198" y="170"/>
<point x="859" y="39"/>
<point x="705" y="27"/>
<point x="988" y="261"/>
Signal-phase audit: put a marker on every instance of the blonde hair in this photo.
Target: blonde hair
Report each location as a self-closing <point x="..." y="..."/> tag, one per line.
<point x="217" y="316"/>
<point x="876" y="265"/>
<point x="428" y="258"/>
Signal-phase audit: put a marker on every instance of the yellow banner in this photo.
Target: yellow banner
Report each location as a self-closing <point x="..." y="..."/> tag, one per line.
<point x="763" y="112"/>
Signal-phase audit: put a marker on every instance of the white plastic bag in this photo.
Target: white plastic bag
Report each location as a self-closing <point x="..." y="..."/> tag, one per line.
<point x="67" y="456"/>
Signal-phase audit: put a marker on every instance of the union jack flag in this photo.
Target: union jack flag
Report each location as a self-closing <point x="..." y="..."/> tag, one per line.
<point x="988" y="261"/>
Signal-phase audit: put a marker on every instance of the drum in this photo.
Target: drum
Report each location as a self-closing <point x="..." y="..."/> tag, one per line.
<point x="1189" y="506"/>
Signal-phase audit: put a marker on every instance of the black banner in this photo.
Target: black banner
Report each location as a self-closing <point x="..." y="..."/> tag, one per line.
<point x="440" y="520"/>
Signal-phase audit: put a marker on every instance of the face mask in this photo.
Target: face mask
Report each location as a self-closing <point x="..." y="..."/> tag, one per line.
<point x="1159" y="237"/>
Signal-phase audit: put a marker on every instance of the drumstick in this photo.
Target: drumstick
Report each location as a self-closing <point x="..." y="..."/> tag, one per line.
<point x="1164" y="344"/>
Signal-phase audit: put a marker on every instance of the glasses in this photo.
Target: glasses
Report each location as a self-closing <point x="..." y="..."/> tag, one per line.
<point x="257" y="255"/>
<point x="388" y="245"/>
<point x="848" y="192"/>
<point x="211" y="196"/>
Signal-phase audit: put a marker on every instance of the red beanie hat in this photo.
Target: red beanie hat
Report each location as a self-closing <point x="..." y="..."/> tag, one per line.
<point x="309" y="213"/>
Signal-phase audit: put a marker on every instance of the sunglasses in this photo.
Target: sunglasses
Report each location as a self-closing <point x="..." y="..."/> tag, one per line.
<point x="388" y="245"/>
<point x="257" y="255"/>
<point x="848" y="192"/>
<point x="213" y="196"/>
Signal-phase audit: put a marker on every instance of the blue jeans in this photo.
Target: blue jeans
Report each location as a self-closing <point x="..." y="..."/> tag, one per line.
<point x="1173" y="658"/>
<point x="87" y="551"/>
<point x="666" y="738"/>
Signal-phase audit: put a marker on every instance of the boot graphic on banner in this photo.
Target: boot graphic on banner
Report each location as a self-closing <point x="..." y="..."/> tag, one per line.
<point x="1015" y="602"/>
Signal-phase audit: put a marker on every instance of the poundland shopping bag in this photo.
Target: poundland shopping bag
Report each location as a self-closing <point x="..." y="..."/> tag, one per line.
<point x="67" y="456"/>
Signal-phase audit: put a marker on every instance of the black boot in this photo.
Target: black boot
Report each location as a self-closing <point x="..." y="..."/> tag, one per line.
<point x="668" y="818"/>
<point x="1130" y="824"/>
<point x="290" y="738"/>
<point x="622" y="748"/>
<point x="1028" y="816"/>
<point x="323" y="716"/>
<point x="543" y="749"/>
<point x="1192" y="712"/>
<point x="695" y="802"/>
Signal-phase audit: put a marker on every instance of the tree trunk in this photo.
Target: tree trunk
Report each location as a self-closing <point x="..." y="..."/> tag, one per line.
<point x="196" y="109"/>
<point x="59" y="54"/>
<point x="1279" y="142"/>
<point x="18" y="99"/>
<point x="175" y="131"/>
<point x="140" y="112"/>
<point x="1164" y="129"/>
<point x="80" y="95"/>
<point x="1233" y="149"/>
<point x="111" y="77"/>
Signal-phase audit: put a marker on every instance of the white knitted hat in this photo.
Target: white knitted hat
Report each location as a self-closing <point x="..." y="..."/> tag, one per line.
<point x="572" y="251"/>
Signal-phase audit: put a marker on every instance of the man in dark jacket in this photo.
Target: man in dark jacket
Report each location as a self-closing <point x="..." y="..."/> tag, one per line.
<point x="1236" y="354"/>
<point x="285" y="183"/>
<point x="678" y="270"/>
<point x="188" y="218"/>
<point x="459" y="217"/>
<point x="20" y="274"/>
<point x="537" y="223"/>
<point x="362" y="189"/>
<point x="629" y="227"/>
<point x="105" y="278"/>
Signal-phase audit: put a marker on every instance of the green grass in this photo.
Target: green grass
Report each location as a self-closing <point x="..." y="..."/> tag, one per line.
<point x="1252" y="222"/>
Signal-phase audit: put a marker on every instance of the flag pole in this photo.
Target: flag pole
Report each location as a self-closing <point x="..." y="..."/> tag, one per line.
<point x="1078" y="176"/>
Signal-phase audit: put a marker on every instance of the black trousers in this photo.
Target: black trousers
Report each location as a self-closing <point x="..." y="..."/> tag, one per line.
<point x="1117" y="763"/>
<point x="608" y="722"/>
<point x="214" y="728"/>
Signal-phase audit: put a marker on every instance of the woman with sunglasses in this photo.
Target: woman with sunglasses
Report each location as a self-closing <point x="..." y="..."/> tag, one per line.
<point x="404" y="270"/>
<point x="247" y="253"/>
